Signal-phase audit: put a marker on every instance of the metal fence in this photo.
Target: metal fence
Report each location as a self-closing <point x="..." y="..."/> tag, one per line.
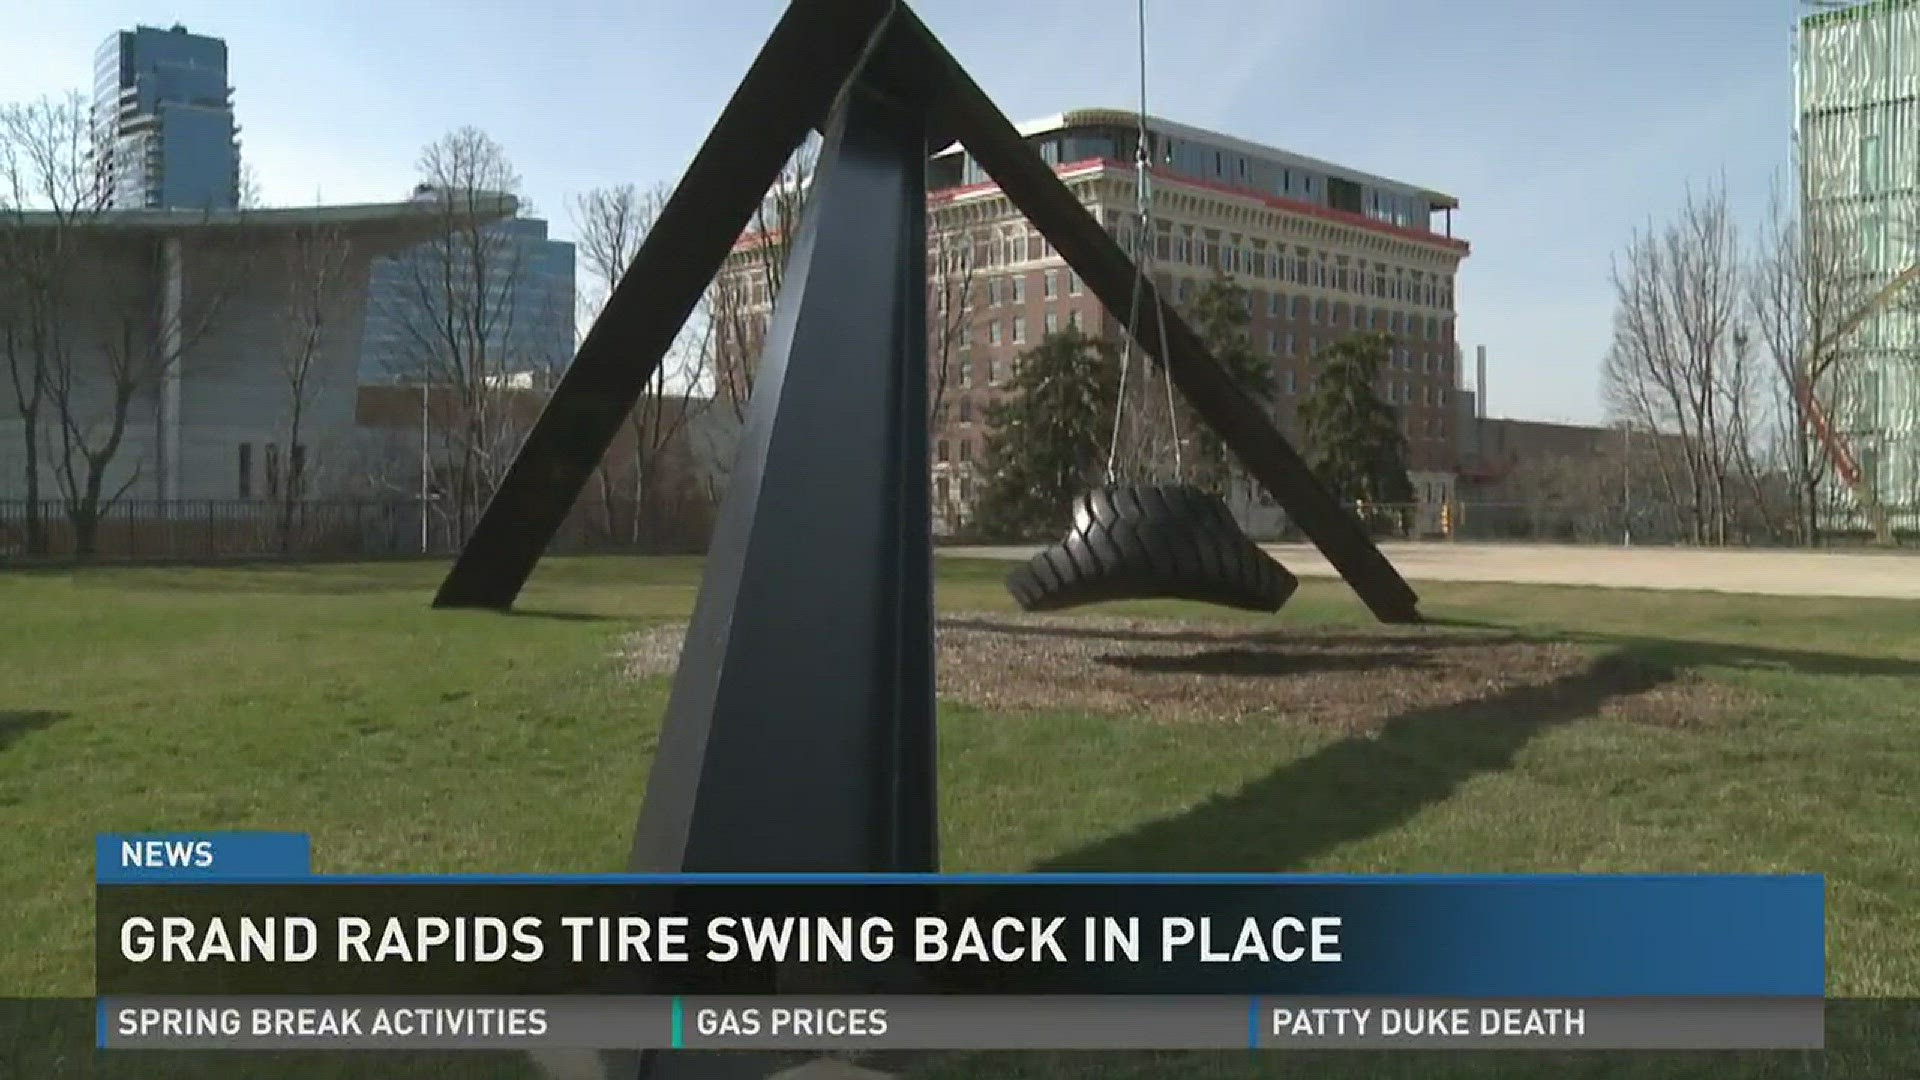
<point x="132" y="530"/>
<point x="218" y="530"/>
<point x="1564" y="523"/>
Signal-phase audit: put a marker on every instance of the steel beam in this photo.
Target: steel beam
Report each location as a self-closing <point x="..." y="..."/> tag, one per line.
<point x="1234" y="415"/>
<point x="790" y="89"/>
<point x="799" y="733"/>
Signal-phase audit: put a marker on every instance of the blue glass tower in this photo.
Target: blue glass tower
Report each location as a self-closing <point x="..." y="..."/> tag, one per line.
<point x="164" y="135"/>
<point x="524" y="312"/>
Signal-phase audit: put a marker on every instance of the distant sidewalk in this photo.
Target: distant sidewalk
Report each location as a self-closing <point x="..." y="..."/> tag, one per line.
<point x="1883" y="575"/>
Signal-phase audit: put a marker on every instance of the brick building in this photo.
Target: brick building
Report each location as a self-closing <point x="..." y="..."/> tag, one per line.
<point x="1323" y="250"/>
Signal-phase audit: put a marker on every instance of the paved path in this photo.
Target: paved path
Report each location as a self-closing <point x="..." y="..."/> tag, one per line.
<point x="1891" y="575"/>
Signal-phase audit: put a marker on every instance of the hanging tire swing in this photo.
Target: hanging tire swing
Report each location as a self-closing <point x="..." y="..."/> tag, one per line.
<point x="1152" y="542"/>
<point x="1133" y="541"/>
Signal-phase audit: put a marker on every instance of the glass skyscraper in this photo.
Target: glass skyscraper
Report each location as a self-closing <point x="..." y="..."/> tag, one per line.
<point x="164" y="135"/>
<point x="522" y="325"/>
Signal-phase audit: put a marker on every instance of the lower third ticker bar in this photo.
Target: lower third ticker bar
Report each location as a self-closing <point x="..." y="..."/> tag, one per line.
<point x="957" y="1023"/>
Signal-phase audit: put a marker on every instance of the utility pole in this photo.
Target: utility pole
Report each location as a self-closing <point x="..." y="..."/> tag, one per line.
<point x="1626" y="482"/>
<point x="426" y="471"/>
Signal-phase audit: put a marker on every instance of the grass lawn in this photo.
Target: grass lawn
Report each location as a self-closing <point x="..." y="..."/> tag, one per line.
<point x="330" y="700"/>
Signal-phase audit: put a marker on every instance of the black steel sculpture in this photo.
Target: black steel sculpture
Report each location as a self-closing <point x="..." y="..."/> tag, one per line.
<point x="799" y="732"/>
<point x="792" y="86"/>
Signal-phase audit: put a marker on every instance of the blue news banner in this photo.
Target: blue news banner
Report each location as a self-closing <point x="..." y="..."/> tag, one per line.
<point x="230" y="941"/>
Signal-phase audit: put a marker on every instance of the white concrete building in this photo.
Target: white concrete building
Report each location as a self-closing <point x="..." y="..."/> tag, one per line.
<point x="179" y="331"/>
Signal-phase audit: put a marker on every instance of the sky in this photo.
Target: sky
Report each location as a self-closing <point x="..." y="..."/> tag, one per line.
<point x="1561" y="125"/>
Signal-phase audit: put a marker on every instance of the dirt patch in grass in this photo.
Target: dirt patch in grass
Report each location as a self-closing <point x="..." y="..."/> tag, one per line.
<point x="1179" y="671"/>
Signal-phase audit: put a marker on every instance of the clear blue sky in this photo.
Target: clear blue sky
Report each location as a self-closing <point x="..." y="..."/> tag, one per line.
<point x="1560" y="124"/>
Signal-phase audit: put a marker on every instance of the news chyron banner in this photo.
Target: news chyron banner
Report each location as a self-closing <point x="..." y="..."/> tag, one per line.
<point x="230" y="941"/>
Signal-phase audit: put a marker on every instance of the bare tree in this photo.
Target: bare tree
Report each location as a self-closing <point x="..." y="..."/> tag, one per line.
<point x="312" y="316"/>
<point x="954" y="259"/>
<point x="611" y="224"/>
<point x="128" y="361"/>
<point x="459" y="311"/>
<point x="739" y="305"/>
<point x="50" y="192"/>
<point x="1678" y="363"/>
<point x="94" y="340"/>
<point x="740" y="301"/>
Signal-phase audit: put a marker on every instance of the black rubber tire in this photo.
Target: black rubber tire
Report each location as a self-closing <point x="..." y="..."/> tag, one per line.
<point x="1131" y="542"/>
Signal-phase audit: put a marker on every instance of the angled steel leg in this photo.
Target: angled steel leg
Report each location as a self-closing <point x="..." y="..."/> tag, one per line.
<point x="799" y="734"/>
<point x="807" y="664"/>
<point x="791" y="87"/>
<point x="1240" y="422"/>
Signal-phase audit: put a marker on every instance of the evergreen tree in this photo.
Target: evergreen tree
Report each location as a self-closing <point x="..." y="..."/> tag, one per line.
<point x="1047" y="441"/>
<point x="1221" y="314"/>
<point x="1353" y="438"/>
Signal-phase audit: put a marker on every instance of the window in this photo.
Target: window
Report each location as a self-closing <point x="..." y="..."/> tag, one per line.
<point x="966" y="451"/>
<point x="246" y="470"/>
<point x="1396" y="322"/>
<point x="1870" y="169"/>
<point x="1051" y="288"/>
<point x="943" y="450"/>
<point x="966" y="489"/>
<point x="1293" y="382"/>
<point x="996" y="371"/>
<point x="966" y="410"/>
<point x="1319" y="312"/>
<point x="273" y="471"/>
<point x="1354" y="317"/>
<point x="1273" y="303"/>
<point x="1426" y="395"/>
<point x="1186" y="289"/>
<point x="1019" y="329"/>
<point x="940" y="490"/>
<point x="1273" y="343"/>
<point x="1019" y="288"/>
<point x="993" y="292"/>
<point x="1073" y="319"/>
<point x="966" y="373"/>
<point x="1293" y="308"/>
<point x="993" y="332"/>
<point x="1439" y="395"/>
<point x="1289" y="344"/>
<point x="1073" y="283"/>
<point x="1053" y="323"/>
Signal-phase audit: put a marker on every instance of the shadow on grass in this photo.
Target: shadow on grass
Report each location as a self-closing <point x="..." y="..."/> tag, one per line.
<point x="1687" y="653"/>
<point x="17" y="723"/>
<point x="1292" y="635"/>
<point x="1255" y="663"/>
<point x="562" y="616"/>
<point x="1365" y="785"/>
